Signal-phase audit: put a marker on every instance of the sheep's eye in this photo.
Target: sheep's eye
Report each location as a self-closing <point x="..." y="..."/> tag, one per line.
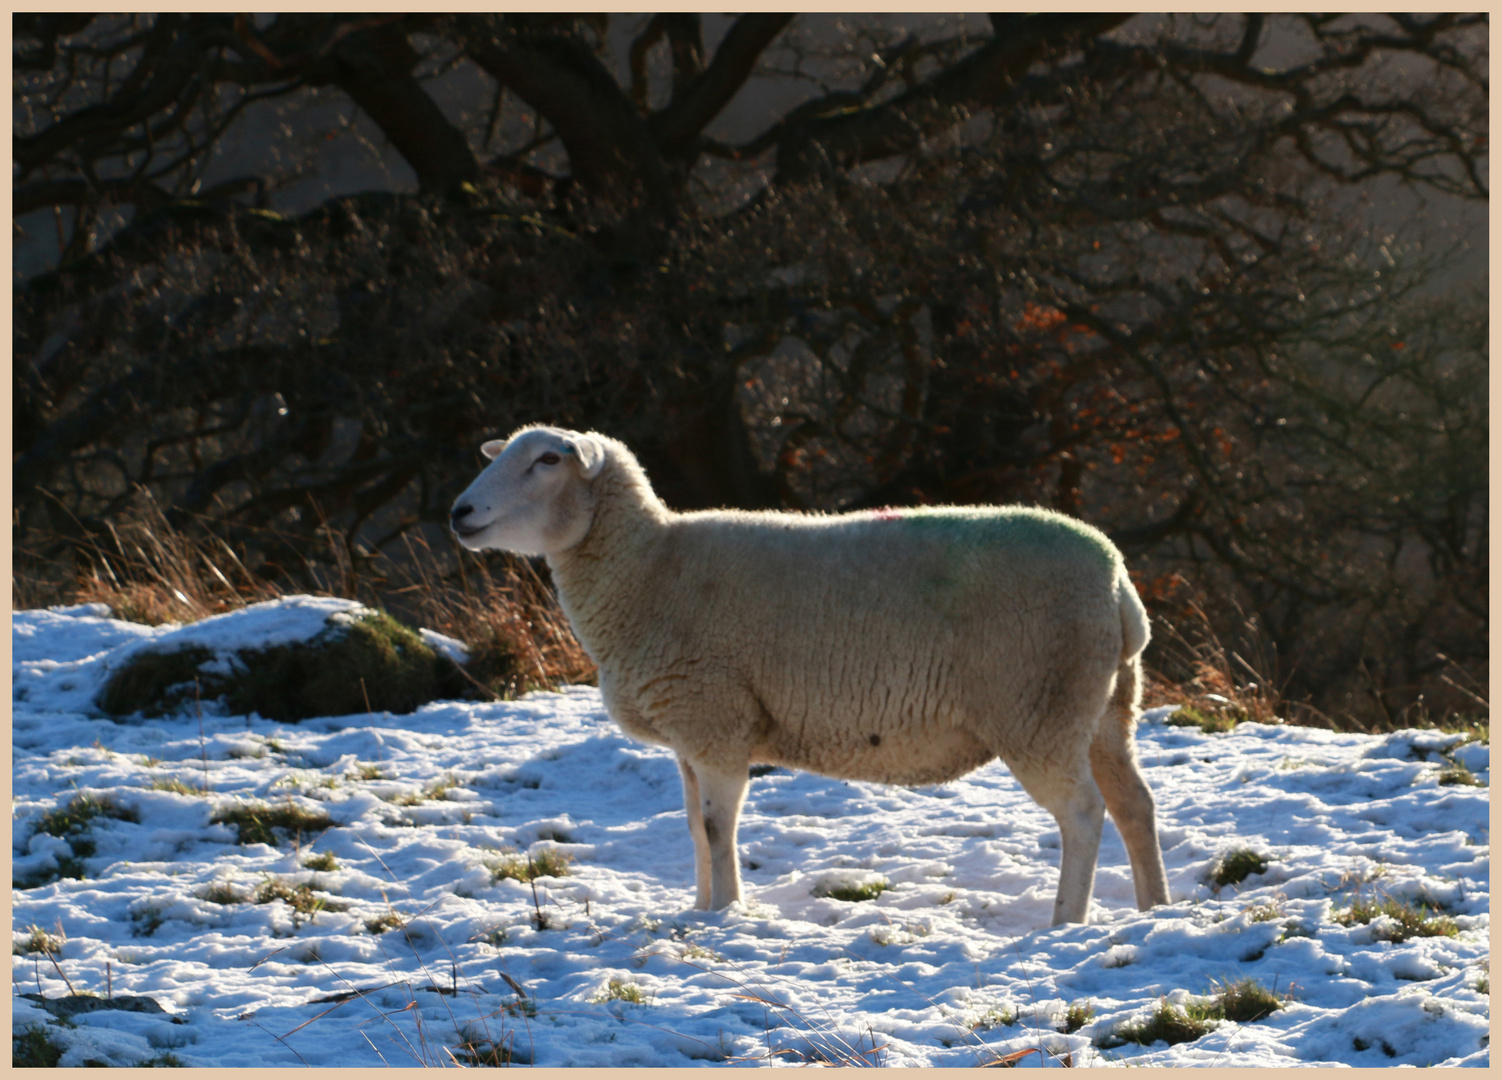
<point x="550" y="458"/>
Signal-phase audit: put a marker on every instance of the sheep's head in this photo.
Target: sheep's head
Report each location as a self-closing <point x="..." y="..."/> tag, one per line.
<point x="533" y="498"/>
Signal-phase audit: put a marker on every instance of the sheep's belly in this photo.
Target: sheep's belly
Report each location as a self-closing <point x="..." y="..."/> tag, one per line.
<point x="931" y="758"/>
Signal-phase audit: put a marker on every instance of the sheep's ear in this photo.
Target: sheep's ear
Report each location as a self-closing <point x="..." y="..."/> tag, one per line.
<point x="493" y="447"/>
<point x="591" y="452"/>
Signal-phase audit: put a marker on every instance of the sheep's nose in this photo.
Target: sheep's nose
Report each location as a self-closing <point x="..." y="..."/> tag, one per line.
<point x="460" y="513"/>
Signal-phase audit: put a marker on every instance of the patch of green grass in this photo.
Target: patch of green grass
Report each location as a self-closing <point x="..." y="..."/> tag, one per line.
<point x="71" y="823"/>
<point x="439" y="789"/>
<point x="548" y="862"/>
<point x="615" y="990"/>
<point x="373" y="659"/>
<point x="1410" y="919"/>
<point x="868" y="890"/>
<point x="1234" y="867"/>
<point x="1168" y="1023"/>
<point x="1246" y="1000"/>
<point x="1458" y="775"/>
<point x="1263" y="912"/>
<point x="1211" y="723"/>
<point x="257" y="823"/>
<point x="299" y="898"/>
<point x="1243" y="1001"/>
<point x="391" y="920"/>
<point x="147" y="920"/>
<point x="369" y="771"/>
<point x="155" y="683"/>
<point x="32" y="1048"/>
<point x="484" y="1055"/>
<point x="38" y="940"/>
<point x="178" y="787"/>
<point x="1076" y="1016"/>
<point x="80" y="811"/>
<point x="222" y="892"/>
<point x="323" y="861"/>
<point x="994" y="1017"/>
<point x="368" y="663"/>
<point x="168" y="1060"/>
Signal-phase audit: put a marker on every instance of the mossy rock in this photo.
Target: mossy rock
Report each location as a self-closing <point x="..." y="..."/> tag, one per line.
<point x="368" y="663"/>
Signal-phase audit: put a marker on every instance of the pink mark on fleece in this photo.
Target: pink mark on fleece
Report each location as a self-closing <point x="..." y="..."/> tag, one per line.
<point x="886" y="513"/>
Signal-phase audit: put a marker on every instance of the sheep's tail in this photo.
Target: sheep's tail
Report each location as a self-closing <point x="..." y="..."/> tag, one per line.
<point x="1134" y="624"/>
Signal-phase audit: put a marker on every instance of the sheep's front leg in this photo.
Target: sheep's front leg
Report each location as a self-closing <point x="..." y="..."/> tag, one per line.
<point x="720" y="796"/>
<point x="696" y="830"/>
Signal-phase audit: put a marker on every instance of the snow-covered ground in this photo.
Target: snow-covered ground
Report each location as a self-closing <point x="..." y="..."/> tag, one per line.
<point x="954" y="964"/>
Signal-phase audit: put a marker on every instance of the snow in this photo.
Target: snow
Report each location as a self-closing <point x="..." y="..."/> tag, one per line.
<point x="923" y="975"/>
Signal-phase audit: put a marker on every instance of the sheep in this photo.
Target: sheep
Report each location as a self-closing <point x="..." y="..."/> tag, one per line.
<point x="901" y="646"/>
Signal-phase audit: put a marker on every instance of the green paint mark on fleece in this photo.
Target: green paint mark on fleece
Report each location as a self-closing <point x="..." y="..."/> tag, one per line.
<point x="1003" y="526"/>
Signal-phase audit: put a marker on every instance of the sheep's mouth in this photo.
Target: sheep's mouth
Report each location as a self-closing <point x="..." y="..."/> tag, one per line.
<point x="467" y="530"/>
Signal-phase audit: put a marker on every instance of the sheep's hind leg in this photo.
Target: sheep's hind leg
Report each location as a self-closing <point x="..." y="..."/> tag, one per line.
<point x="696" y="830"/>
<point x="720" y="797"/>
<point x="1071" y="796"/>
<point x="1113" y="761"/>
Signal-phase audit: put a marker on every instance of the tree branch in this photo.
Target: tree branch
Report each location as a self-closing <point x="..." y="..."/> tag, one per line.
<point x="816" y="145"/>
<point x="677" y="127"/>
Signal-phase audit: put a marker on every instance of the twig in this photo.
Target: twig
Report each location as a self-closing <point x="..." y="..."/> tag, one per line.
<point x="203" y="748"/>
<point x="60" y="974"/>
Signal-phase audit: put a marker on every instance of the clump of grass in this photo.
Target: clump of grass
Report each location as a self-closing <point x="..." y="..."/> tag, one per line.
<point x="32" y="1048"/>
<point x="1215" y="687"/>
<point x="71" y="823"/>
<point x="370" y="662"/>
<point x="1457" y="774"/>
<point x="518" y="638"/>
<point x="485" y="1055"/>
<point x="167" y="1060"/>
<point x="547" y="862"/>
<point x="389" y="920"/>
<point x="1245" y="1000"/>
<point x="867" y="890"/>
<point x="369" y="771"/>
<point x="38" y="940"/>
<point x="616" y="990"/>
<point x="80" y="811"/>
<point x="1168" y="1023"/>
<point x="1076" y="1016"/>
<point x="299" y="898"/>
<point x="1211" y="723"/>
<point x="1236" y="866"/>
<point x="156" y="683"/>
<point x="324" y="861"/>
<point x="1409" y="919"/>
<point x="148" y="920"/>
<point x="178" y="787"/>
<point x="367" y="663"/>
<point x="1484" y="984"/>
<point x="257" y="823"/>
<point x="222" y="892"/>
<point x="150" y="572"/>
<point x="439" y="789"/>
<point x="996" y="1016"/>
<point x="1263" y="912"/>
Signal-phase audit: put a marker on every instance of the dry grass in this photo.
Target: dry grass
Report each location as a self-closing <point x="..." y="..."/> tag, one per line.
<point x="1401" y="918"/>
<point x="148" y="571"/>
<point x="547" y="862"/>
<point x="1214" y="686"/>
<point x="519" y="639"/>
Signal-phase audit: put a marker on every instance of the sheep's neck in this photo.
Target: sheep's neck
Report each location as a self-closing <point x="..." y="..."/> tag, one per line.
<point x="601" y="577"/>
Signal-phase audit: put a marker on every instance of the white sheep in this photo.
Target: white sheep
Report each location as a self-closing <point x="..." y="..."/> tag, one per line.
<point x="902" y="646"/>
